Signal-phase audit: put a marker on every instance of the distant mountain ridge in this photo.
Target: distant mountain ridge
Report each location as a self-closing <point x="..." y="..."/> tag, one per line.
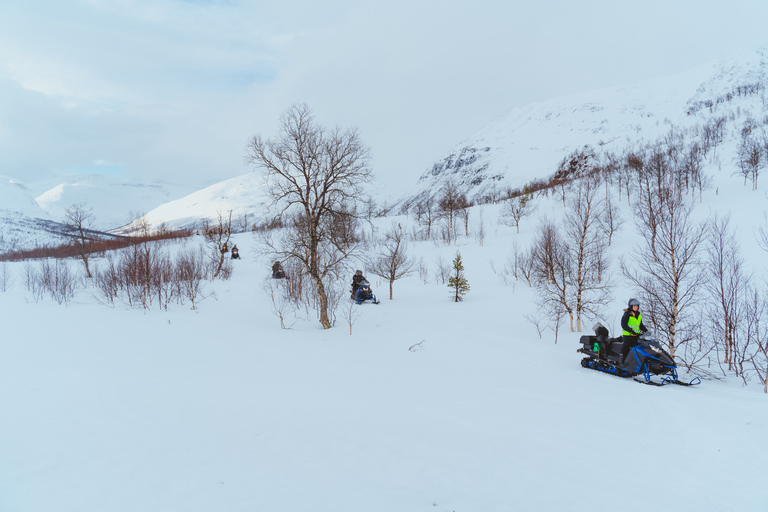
<point x="521" y="145"/>
<point x="242" y="196"/>
<point x="114" y="201"/>
<point x="529" y="142"/>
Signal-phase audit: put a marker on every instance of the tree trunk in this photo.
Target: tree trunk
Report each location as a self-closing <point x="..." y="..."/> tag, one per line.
<point x="323" y="302"/>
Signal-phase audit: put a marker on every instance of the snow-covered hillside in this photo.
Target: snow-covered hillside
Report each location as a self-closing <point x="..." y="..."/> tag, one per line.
<point x="428" y="404"/>
<point x="243" y="196"/>
<point x="528" y="143"/>
<point x="114" y="202"/>
<point x="23" y="224"/>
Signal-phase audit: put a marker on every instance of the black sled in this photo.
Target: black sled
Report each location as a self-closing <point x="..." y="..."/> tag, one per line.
<point x="647" y="358"/>
<point x="363" y="293"/>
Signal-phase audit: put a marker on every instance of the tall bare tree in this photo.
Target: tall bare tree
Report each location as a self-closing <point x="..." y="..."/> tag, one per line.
<point x="217" y="235"/>
<point x="553" y="272"/>
<point x="426" y="211"/>
<point x="666" y="266"/>
<point x="451" y="203"/>
<point x="315" y="178"/>
<point x="516" y="208"/>
<point x="727" y="285"/>
<point x="586" y="242"/>
<point x="392" y="261"/>
<point x="78" y="220"/>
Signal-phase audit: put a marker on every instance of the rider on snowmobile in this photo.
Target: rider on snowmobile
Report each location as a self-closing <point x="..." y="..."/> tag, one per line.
<point x="632" y="327"/>
<point x="356" y="280"/>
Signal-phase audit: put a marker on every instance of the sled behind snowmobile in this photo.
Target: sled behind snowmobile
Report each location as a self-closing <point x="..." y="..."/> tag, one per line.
<point x="647" y="358"/>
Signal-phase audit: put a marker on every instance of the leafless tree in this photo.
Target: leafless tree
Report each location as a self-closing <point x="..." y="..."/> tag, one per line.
<point x="392" y="260"/>
<point x="756" y="318"/>
<point x="585" y="241"/>
<point x="610" y="220"/>
<point x="517" y="208"/>
<point x="443" y="270"/>
<point x="6" y="280"/>
<point x="692" y="162"/>
<point x="451" y="204"/>
<point x="727" y="285"/>
<point x="351" y="314"/>
<point x="480" y="234"/>
<point x="751" y="159"/>
<point x="282" y="305"/>
<point x="666" y="266"/>
<point x="217" y="237"/>
<point x="552" y="268"/>
<point x="191" y="271"/>
<point x="426" y="213"/>
<point x="78" y="220"/>
<point x="244" y="222"/>
<point x="315" y="177"/>
<point x="465" y="208"/>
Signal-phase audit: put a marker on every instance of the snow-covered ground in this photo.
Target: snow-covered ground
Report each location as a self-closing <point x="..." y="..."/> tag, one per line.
<point x="429" y="405"/>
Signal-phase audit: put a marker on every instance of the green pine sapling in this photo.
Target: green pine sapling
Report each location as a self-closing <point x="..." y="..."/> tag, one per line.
<point x="457" y="279"/>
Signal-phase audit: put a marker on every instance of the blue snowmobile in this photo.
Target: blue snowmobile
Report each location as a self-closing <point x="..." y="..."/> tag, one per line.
<point x="364" y="293"/>
<point x="647" y="358"/>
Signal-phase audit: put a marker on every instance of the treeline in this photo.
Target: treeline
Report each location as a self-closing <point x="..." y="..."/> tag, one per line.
<point x="101" y="244"/>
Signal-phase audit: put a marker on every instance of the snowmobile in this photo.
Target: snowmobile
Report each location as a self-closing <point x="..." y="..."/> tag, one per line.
<point x="647" y="358"/>
<point x="364" y="293"/>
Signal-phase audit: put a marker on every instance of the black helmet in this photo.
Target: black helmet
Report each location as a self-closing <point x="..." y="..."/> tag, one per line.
<point x="358" y="271"/>
<point x="633" y="302"/>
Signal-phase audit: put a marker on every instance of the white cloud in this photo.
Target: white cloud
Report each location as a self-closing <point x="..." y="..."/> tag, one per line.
<point x="174" y="88"/>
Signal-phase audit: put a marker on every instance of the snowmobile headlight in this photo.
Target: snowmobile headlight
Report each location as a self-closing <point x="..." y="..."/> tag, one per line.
<point x="655" y="348"/>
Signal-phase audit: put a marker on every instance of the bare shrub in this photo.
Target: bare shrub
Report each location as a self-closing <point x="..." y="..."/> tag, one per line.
<point x="6" y="279"/>
<point x="443" y="271"/>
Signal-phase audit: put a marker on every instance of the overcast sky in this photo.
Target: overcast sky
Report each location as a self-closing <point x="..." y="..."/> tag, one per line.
<point x="173" y="89"/>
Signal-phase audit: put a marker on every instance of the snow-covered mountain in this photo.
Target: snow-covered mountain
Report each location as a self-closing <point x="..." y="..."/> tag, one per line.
<point x="242" y="195"/>
<point x="23" y="224"/>
<point x="114" y="202"/>
<point x="521" y="145"/>
<point x="529" y="142"/>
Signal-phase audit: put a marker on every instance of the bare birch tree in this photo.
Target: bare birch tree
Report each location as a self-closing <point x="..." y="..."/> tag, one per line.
<point x="315" y="178"/>
<point x="392" y="261"/>
<point x="666" y="267"/>
<point x="588" y="248"/>
<point x="78" y="220"/>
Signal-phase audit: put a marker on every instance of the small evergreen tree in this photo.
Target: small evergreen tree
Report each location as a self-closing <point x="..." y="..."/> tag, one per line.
<point x="457" y="280"/>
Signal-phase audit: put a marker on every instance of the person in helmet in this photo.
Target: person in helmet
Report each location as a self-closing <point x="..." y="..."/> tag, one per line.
<point x="277" y="271"/>
<point x="356" y="280"/>
<point x="631" y="327"/>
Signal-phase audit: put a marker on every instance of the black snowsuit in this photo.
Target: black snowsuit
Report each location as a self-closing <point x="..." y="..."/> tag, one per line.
<point x="356" y="280"/>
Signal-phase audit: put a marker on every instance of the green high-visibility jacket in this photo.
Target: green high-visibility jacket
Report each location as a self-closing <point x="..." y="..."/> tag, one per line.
<point x="634" y="323"/>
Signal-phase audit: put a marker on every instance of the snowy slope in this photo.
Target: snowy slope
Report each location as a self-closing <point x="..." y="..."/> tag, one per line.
<point x="243" y="196"/>
<point x="23" y="224"/>
<point x="527" y="143"/>
<point x="428" y="405"/>
<point x="15" y="197"/>
<point x="112" y="200"/>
